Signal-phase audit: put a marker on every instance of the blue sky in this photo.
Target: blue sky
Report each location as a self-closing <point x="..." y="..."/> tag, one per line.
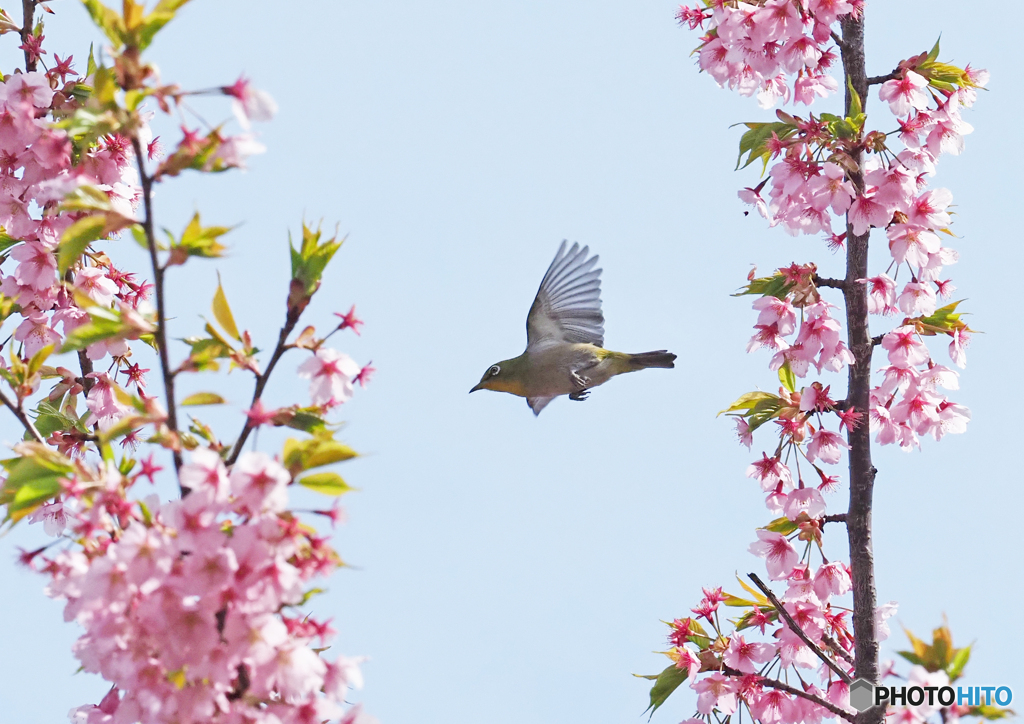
<point x="506" y="568"/>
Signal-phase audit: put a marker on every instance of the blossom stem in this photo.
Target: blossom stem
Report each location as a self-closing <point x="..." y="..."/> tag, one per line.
<point x="161" y="306"/>
<point x="22" y="417"/>
<point x="862" y="471"/>
<point x="797" y="630"/>
<point x="261" y="379"/>
<point x="28" y="12"/>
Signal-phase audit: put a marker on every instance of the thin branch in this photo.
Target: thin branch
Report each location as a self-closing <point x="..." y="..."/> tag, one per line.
<point x="875" y="341"/>
<point x="28" y="13"/>
<point x="22" y="418"/>
<point x="261" y="379"/>
<point x="836" y="648"/>
<point x="837" y="518"/>
<point x="837" y="40"/>
<point x="780" y="686"/>
<point x="797" y="630"/>
<point x="161" y="305"/>
<point x="879" y="79"/>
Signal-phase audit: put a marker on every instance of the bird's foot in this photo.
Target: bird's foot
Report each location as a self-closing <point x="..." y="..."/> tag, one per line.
<point x="579" y="396"/>
<point x="581" y="381"/>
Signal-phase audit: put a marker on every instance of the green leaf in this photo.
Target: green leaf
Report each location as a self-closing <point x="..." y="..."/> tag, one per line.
<point x="992" y="713"/>
<point x="736" y="601"/>
<point x="942" y="321"/>
<point x="782" y="525"/>
<point x="934" y="52"/>
<point x="310" y="260"/>
<point x="749" y="401"/>
<point x="6" y="241"/>
<point x="667" y="682"/>
<point x="205" y="353"/>
<point x="856" y="106"/>
<point x="162" y="14"/>
<point x="107" y="20"/>
<point x="98" y="328"/>
<point x="911" y="657"/>
<point x="956" y="666"/>
<point x="316" y="452"/>
<point x="222" y="312"/>
<point x="310" y="422"/>
<point x="77" y="237"/>
<point x="32" y="479"/>
<point x="777" y="286"/>
<point x="38" y="358"/>
<point x="49" y="420"/>
<point x="786" y="377"/>
<point x="203" y="398"/>
<point x="201" y="241"/>
<point x="326" y="483"/>
<point x="754" y="141"/>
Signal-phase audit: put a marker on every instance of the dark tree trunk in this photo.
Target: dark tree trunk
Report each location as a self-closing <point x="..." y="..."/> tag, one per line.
<point x="862" y="472"/>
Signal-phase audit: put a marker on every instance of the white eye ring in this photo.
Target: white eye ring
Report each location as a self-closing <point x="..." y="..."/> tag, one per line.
<point x="495" y="369"/>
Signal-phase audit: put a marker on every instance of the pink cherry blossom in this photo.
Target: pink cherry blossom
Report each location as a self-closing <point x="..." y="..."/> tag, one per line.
<point x="715" y="691"/>
<point x="779" y="554"/>
<point x="906" y="93"/>
<point x="250" y="104"/>
<point x="745" y="656"/>
<point x="904" y="348"/>
<point x="330" y="374"/>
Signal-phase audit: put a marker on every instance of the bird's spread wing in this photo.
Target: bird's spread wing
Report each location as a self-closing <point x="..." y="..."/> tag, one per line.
<point x="538" y="403"/>
<point x="568" y="303"/>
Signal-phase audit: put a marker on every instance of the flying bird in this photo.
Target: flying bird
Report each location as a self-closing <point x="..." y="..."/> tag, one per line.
<point x="565" y="352"/>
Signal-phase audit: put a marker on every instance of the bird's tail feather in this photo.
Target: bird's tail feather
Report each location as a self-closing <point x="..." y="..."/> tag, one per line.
<point x="660" y="358"/>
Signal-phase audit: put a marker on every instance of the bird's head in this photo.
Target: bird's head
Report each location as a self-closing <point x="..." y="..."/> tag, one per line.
<point x="501" y="377"/>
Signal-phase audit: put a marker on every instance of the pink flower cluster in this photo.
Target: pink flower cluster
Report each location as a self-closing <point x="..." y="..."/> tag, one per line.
<point x="36" y="172"/>
<point x="818" y="341"/>
<point x="190" y="608"/>
<point x="738" y="682"/>
<point x="907" y="403"/>
<point x="754" y="47"/>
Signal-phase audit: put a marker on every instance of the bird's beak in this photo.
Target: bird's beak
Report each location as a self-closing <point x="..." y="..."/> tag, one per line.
<point x="478" y="386"/>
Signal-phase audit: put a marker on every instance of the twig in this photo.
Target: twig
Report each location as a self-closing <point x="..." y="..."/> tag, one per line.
<point x="836" y="648"/>
<point x="837" y="518"/>
<point x="22" y="418"/>
<point x="797" y="630"/>
<point x="837" y="40"/>
<point x="161" y="305"/>
<point x="827" y="282"/>
<point x="83" y="355"/>
<point x="875" y="341"/>
<point x="780" y="686"/>
<point x="879" y="79"/>
<point x="261" y="379"/>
